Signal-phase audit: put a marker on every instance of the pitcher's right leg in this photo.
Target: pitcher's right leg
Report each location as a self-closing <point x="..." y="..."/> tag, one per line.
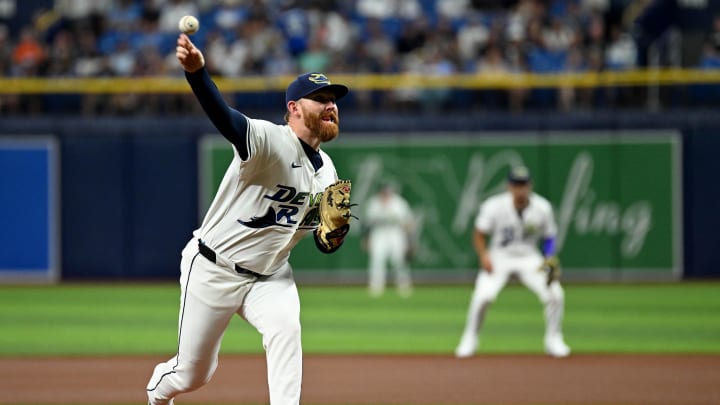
<point x="202" y="323"/>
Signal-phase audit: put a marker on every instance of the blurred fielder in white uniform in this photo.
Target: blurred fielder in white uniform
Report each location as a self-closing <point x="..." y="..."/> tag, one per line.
<point x="516" y="221"/>
<point x="236" y="263"/>
<point x="388" y="223"/>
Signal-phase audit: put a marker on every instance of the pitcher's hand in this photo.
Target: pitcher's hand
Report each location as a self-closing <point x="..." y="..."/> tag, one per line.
<point x="191" y="59"/>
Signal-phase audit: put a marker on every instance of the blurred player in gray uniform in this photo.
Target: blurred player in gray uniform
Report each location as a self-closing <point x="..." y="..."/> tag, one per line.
<point x="516" y="221"/>
<point x="388" y="227"/>
<point x="237" y="261"/>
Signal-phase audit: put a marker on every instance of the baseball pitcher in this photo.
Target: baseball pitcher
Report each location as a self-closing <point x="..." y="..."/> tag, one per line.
<point x="279" y="187"/>
<point x="516" y="221"/>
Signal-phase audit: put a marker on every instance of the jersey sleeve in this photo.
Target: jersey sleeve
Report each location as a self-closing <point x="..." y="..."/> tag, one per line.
<point x="550" y="230"/>
<point x="484" y="221"/>
<point x="231" y="123"/>
<point x="257" y="139"/>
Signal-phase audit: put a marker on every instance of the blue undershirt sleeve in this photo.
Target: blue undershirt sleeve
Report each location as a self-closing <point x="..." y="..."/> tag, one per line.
<point x="231" y="123"/>
<point x="549" y="246"/>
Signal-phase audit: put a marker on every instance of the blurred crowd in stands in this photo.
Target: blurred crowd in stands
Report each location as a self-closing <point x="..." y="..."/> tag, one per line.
<point x="131" y="38"/>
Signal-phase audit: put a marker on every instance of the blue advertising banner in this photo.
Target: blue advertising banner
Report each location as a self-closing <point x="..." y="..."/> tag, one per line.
<point x="29" y="209"/>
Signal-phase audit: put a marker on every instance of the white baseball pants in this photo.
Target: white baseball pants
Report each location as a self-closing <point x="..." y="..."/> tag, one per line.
<point x="488" y="286"/>
<point x="388" y="245"/>
<point x="210" y="296"/>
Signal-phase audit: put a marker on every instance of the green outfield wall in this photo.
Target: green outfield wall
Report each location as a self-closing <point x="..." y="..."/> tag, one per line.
<point x="616" y="196"/>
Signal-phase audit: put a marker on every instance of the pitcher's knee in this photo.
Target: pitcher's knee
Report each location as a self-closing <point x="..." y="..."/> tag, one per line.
<point x="283" y="327"/>
<point x="195" y="374"/>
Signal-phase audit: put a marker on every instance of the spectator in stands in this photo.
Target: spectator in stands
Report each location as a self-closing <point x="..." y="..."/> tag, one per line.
<point x="620" y="52"/>
<point x="377" y="44"/>
<point x="122" y="61"/>
<point x="296" y="27"/>
<point x="336" y="31"/>
<point x="122" y="15"/>
<point x="452" y="9"/>
<point x="229" y="14"/>
<point x="492" y="63"/>
<point x="88" y="61"/>
<point x="440" y="37"/>
<point x="5" y="50"/>
<point x="558" y="36"/>
<point x="316" y="58"/>
<point x="261" y="35"/>
<point x="569" y="96"/>
<point x="385" y="9"/>
<point x="412" y="36"/>
<point x="471" y="38"/>
<point x="594" y="34"/>
<point x="9" y="103"/>
<point x="28" y="55"/>
<point x="76" y="11"/>
<point x="437" y="64"/>
<point x="62" y="55"/>
<point x="224" y="58"/>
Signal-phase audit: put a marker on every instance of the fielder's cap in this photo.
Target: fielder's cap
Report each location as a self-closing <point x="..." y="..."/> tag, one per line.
<point x="519" y="175"/>
<point x="309" y="83"/>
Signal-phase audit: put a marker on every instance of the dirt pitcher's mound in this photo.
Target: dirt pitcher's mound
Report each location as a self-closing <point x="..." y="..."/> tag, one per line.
<point x="375" y="379"/>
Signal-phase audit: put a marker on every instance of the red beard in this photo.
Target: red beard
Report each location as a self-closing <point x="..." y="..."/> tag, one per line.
<point x="325" y="131"/>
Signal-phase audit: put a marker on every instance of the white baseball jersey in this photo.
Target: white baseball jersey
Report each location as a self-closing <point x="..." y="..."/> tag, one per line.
<point x="514" y="233"/>
<point x="388" y="219"/>
<point x="267" y="203"/>
<point x="392" y="215"/>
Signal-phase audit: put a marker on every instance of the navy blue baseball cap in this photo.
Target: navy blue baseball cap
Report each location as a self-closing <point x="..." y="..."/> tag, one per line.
<point x="309" y="83"/>
<point x="519" y="175"/>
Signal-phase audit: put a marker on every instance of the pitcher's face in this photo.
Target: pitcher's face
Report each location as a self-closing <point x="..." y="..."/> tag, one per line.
<point x="320" y="115"/>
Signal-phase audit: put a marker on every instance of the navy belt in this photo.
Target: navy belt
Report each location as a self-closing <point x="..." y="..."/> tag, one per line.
<point x="212" y="256"/>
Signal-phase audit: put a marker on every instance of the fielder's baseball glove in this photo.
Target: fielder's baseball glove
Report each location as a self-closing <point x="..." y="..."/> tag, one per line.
<point x="334" y="211"/>
<point x="551" y="267"/>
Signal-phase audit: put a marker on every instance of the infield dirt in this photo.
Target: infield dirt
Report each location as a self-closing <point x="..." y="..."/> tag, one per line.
<point x="376" y="379"/>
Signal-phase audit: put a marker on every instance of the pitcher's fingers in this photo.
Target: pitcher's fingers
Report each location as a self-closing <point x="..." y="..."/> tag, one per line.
<point x="181" y="53"/>
<point x="190" y="46"/>
<point x="184" y="42"/>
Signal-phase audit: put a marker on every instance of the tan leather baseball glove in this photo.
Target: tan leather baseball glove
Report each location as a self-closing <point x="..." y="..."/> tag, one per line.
<point x="551" y="267"/>
<point x="335" y="214"/>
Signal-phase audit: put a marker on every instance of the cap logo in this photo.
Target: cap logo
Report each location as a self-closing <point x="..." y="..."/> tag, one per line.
<point x="319" y="78"/>
<point x="521" y="172"/>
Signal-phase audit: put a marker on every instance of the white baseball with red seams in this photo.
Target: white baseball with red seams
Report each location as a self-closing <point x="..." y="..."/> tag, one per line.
<point x="188" y="25"/>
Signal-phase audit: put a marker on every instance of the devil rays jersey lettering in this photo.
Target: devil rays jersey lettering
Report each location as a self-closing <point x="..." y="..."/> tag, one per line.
<point x="511" y="232"/>
<point x="285" y="214"/>
<point x="267" y="195"/>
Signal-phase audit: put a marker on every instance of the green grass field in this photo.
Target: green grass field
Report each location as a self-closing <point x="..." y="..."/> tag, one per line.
<point x="142" y="319"/>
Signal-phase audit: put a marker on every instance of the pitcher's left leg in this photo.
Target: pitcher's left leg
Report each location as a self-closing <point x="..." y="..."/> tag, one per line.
<point x="273" y="307"/>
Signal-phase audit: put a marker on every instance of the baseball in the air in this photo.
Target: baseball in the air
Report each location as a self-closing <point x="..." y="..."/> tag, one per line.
<point x="189" y="25"/>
